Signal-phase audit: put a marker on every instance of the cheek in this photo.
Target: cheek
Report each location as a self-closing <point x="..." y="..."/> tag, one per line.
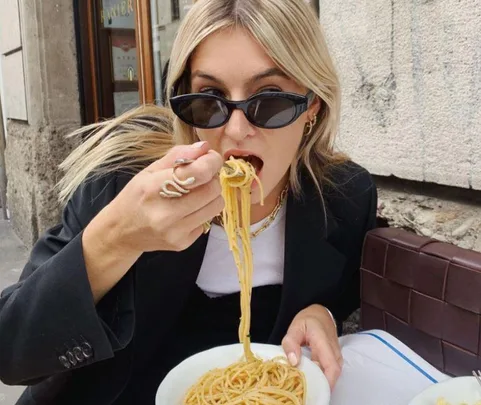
<point x="210" y="135"/>
<point x="281" y="150"/>
<point x="283" y="146"/>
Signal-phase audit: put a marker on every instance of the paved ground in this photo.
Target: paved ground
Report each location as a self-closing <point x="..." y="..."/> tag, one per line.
<point x="13" y="256"/>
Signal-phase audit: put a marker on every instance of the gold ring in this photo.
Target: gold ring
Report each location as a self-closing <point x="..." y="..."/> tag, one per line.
<point x="207" y="226"/>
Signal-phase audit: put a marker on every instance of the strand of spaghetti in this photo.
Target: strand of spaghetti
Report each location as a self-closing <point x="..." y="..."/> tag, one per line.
<point x="249" y="381"/>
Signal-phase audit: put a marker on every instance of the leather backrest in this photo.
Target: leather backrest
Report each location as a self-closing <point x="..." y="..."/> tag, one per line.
<point x="427" y="294"/>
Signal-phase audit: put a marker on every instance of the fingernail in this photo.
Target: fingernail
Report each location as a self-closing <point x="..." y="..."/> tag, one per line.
<point x="182" y="161"/>
<point x="198" y="145"/>
<point x="292" y="359"/>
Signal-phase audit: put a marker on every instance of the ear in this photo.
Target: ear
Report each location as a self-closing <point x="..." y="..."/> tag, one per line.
<point x="314" y="108"/>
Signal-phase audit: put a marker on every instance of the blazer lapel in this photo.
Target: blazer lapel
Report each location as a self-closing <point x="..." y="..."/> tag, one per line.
<point x="312" y="266"/>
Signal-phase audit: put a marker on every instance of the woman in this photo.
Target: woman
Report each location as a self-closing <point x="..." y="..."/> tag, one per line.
<point x="131" y="282"/>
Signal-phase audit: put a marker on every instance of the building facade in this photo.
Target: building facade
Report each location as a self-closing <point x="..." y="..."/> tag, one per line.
<point x="411" y="84"/>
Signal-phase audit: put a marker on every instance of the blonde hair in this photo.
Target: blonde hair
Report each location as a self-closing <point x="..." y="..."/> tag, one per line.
<point x="291" y="35"/>
<point x="128" y="144"/>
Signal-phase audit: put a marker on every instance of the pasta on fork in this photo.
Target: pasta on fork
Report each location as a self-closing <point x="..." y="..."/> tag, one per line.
<point x="250" y="380"/>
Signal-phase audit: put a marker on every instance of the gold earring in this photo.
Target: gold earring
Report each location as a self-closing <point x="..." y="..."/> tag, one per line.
<point x="310" y="125"/>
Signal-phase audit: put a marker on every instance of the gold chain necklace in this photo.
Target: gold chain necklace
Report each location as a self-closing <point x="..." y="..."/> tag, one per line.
<point x="268" y="221"/>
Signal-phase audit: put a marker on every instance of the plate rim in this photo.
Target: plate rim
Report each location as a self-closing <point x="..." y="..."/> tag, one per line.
<point x="254" y="346"/>
<point x="436" y="386"/>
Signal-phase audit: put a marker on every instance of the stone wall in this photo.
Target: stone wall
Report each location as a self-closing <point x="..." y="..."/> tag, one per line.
<point x="411" y="82"/>
<point x="49" y="85"/>
<point x="447" y="214"/>
<point x="411" y="79"/>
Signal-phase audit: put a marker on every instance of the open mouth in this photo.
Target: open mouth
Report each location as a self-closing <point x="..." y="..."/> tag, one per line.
<point x="255" y="161"/>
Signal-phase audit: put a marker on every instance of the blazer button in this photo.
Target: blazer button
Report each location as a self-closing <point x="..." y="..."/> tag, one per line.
<point x="77" y="351"/>
<point x="71" y="358"/>
<point x="87" y="350"/>
<point x="64" y="361"/>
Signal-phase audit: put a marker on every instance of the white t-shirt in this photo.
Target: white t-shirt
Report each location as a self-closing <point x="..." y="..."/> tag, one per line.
<point x="218" y="274"/>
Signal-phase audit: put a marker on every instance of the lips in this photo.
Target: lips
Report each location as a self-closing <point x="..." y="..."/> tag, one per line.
<point x="248" y="156"/>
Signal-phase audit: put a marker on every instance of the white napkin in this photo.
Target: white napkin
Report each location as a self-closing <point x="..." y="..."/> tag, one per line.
<point x="380" y="370"/>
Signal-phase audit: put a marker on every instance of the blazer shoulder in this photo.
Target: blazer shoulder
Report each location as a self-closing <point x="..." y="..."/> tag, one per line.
<point x="352" y="197"/>
<point x="94" y="194"/>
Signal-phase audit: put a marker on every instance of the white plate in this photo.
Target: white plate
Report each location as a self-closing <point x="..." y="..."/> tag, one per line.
<point x="455" y="391"/>
<point x="173" y="388"/>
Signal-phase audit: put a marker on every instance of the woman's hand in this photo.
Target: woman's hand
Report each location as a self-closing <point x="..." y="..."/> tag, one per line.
<point x="140" y="220"/>
<point x="315" y="328"/>
<point x="145" y="221"/>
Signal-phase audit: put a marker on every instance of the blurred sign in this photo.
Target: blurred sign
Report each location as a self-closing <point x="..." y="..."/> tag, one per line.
<point x="117" y="14"/>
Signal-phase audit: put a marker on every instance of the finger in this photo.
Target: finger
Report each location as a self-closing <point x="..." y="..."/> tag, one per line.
<point x="194" y="235"/>
<point x="202" y="170"/>
<point x="323" y="353"/>
<point x="337" y="353"/>
<point x="189" y="152"/>
<point x="200" y="197"/>
<point x="190" y="176"/>
<point x="200" y="174"/>
<point x="293" y="341"/>
<point x="202" y="215"/>
<point x="187" y="239"/>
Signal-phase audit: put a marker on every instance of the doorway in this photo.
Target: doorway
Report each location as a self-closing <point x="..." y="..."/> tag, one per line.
<point x="115" y="56"/>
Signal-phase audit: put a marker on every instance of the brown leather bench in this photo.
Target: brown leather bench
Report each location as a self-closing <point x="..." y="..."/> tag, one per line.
<point x="427" y="294"/>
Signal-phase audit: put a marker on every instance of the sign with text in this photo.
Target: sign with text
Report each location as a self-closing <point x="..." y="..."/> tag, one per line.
<point x="118" y="14"/>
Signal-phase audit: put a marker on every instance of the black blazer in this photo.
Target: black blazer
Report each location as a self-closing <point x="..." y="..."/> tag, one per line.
<point x="69" y="351"/>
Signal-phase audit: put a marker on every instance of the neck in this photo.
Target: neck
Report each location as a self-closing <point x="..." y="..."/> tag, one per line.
<point x="258" y="211"/>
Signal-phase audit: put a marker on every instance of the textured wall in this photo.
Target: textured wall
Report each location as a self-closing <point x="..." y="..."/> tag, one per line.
<point x="411" y="81"/>
<point x="36" y="147"/>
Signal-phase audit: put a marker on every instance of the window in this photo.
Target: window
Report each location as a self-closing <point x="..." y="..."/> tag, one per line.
<point x="175" y="9"/>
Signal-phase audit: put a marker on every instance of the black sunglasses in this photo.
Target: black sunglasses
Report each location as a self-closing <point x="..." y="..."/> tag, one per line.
<point x="265" y="110"/>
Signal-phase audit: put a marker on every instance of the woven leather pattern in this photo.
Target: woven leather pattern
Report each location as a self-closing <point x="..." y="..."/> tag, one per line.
<point x="427" y="294"/>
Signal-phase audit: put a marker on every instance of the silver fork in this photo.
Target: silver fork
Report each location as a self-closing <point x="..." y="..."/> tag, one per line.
<point x="477" y="375"/>
<point x="230" y="170"/>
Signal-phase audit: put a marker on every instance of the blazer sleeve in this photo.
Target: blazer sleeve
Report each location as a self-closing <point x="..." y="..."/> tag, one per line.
<point x="348" y="296"/>
<point x="48" y="320"/>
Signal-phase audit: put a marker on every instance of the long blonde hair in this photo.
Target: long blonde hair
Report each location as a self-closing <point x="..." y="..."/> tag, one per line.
<point x="127" y="143"/>
<point x="291" y="35"/>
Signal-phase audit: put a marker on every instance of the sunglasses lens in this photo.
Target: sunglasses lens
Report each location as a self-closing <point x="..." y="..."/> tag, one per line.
<point x="271" y="111"/>
<point x="203" y="112"/>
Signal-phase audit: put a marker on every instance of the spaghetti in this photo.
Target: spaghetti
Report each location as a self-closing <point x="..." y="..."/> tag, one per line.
<point x="250" y="381"/>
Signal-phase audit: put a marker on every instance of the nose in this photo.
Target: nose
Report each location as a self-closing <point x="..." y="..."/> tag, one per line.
<point x="238" y="127"/>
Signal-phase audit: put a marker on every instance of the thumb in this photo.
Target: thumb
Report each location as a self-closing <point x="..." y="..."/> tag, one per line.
<point x="292" y="343"/>
<point x="188" y="152"/>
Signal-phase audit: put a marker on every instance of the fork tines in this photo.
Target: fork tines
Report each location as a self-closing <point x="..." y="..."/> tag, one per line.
<point x="230" y="170"/>
<point x="477" y="374"/>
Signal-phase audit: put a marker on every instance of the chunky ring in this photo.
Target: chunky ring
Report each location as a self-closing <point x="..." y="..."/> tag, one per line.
<point x="182" y="162"/>
<point x="206" y="226"/>
<point x="176" y="183"/>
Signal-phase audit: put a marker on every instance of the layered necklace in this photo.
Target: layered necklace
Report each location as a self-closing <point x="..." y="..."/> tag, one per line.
<point x="270" y="218"/>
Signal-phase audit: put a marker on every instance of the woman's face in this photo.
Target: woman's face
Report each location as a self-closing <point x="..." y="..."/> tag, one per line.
<point x="231" y="64"/>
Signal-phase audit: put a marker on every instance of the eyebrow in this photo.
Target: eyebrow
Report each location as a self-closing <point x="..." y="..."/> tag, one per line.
<point x="269" y="73"/>
<point x="263" y="75"/>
